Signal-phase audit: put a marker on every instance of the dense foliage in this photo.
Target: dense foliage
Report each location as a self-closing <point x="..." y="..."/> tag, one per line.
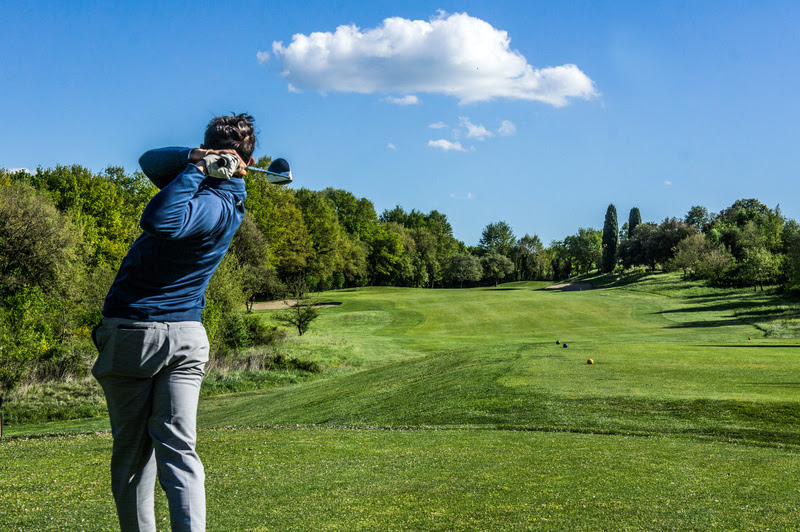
<point x="65" y="230"/>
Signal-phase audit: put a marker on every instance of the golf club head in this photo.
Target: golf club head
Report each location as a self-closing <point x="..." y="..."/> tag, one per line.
<point x="277" y="173"/>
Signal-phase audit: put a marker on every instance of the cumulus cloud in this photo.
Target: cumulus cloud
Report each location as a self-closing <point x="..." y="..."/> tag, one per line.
<point x="391" y="146"/>
<point x="473" y="131"/>
<point x="456" y="55"/>
<point x="409" y="99"/>
<point x="446" y="145"/>
<point x="507" y="129"/>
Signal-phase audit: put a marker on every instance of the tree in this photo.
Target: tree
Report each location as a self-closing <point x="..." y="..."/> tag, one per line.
<point x="38" y="244"/>
<point x="462" y="267"/>
<point x="698" y="217"/>
<point x="277" y="214"/>
<point x="634" y="219"/>
<point x="496" y="267"/>
<point x="356" y="216"/>
<point x="497" y="237"/>
<point x="689" y="252"/>
<point x="325" y="233"/>
<point x="386" y="254"/>
<point x="759" y="267"/>
<point x="610" y="239"/>
<point x="633" y="251"/>
<point x="651" y="244"/>
<point x="560" y="262"/>
<point x="299" y="315"/>
<point x="528" y="258"/>
<point x="585" y="249"/>
<point x="660" y="245"/>
<point x="249" y="247"/>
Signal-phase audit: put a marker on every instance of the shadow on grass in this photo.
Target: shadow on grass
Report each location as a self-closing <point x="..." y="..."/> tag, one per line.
<point x="749" y="346"/>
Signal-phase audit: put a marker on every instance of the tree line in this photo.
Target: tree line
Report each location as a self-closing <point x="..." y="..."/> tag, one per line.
<point x="65" y="230"/>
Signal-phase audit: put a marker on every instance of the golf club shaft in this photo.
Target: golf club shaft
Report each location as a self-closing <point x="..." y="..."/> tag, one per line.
<point x="272" y="177"/>
<point x="262" y="171"/>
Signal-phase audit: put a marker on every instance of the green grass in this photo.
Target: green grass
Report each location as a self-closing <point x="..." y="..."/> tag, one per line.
<point x="340" y="479"/>
<point x="688" y="419"/>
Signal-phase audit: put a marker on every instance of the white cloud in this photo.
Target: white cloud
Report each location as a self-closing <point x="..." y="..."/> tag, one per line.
<point x="456" y="55"/>
<point x="391" y="146"/>
<point x="438" y="125"/>
<point x="473" y="131"/>
<point x="446" y="145"/>
<point x="467" y="196"/>
<point x="409" y="99"/>
<point x="263" y="57"/>
<point x="507" y="129"/>
<point x="15" y="170"/>
<point x="668" y="183"/>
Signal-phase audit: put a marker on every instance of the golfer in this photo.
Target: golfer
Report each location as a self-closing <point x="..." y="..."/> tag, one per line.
<point x="152" y="346"/>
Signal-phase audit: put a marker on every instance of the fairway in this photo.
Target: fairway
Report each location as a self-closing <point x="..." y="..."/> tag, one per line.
<point x="458" y="410"/>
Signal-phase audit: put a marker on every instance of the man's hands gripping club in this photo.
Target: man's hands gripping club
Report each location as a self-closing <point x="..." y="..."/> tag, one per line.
<point x="222" y="164"/>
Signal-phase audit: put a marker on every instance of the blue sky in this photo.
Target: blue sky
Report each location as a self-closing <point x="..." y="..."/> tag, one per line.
<point x="571" y="105"/>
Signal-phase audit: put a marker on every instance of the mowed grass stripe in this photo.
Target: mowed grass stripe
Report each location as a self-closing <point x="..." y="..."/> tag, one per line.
<point x="326" y="479"/>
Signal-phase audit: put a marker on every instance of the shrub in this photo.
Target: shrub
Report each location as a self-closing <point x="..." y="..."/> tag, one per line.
<point x="238" y="331"/>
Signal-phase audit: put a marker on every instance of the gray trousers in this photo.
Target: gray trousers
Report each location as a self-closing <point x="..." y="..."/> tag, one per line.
<point x="151" y="374"/>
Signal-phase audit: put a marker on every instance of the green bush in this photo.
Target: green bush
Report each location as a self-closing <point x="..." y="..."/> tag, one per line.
<point x="60" y="361"/>
<point x="238" y="331"/>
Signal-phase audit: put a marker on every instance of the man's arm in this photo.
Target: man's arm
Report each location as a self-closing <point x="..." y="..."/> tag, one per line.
<point x="175" y="212"/>
<point x="164" y="164"/>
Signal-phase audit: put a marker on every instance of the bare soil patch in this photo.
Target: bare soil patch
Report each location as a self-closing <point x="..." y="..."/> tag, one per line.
<point x="287" y="303"/>
<point x="571" y="287"/>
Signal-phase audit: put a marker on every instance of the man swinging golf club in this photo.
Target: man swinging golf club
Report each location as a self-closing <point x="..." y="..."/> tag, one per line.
<point x="152" y="346"/>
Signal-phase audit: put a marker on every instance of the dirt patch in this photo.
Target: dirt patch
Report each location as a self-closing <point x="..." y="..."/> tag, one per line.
<point x="571" y="287"/>
<point x="287" y="303"/>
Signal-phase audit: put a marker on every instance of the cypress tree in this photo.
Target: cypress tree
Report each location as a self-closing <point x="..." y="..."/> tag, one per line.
<point x="610" y="239"/>
<point x="634" y="219"/>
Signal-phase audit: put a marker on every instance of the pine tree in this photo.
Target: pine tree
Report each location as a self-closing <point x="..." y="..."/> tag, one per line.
<point x="610" y="239"/>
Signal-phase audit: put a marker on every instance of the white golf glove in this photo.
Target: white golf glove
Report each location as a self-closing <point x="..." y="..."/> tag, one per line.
<point x="221" y="166"/>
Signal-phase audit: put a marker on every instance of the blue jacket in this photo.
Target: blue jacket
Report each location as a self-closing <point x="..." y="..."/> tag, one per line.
<point x="188" y="227"/>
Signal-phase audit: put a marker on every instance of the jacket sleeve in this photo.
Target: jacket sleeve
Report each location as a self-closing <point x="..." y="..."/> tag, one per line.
<point x="161" y="166"/>
<point x="178" y="212"/>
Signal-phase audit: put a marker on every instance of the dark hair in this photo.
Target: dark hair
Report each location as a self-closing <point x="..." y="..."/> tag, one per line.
<point x="231" y="132"/>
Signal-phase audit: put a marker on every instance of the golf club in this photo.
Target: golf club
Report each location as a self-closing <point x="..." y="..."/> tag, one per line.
<point x="278" y="172"/>
<point x="223" y="166"/>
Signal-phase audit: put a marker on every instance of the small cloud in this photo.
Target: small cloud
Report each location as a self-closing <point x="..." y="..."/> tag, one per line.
<point x="409" y="99"/>
<point x="446" y="145"/>
<point x="294" y="90"/>
<point x="467" y="196"/>
<point x="263" y="57"/>
<point x="15" y="170"/>
<point x="507" y="129"/>
<point x="391" y="146"/>
<point x="668" y="183"/>
<point x="475" y="132"/>
<point x="438" y="125"/>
